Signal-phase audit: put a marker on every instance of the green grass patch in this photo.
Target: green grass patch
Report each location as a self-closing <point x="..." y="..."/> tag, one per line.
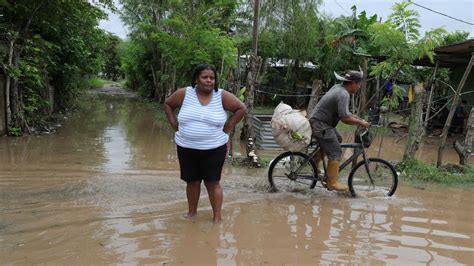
<point x="97" y="83"/>
<point x="342" y="127"/>
<point x="263" y="110"/>
<point x="158" y="111"/>
<point x="450" y="174"/>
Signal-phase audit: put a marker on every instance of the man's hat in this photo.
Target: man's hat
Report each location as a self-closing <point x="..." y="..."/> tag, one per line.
<point x="351" y="75"/>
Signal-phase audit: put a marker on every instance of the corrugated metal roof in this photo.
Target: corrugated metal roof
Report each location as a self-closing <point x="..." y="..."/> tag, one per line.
<point x="455" y="54"/>
<point x="461" y="48"/>
<point x="448" y="56"/>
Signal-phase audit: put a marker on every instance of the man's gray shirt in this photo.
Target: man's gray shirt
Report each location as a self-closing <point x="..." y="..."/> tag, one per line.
<point x="333" y="106"/>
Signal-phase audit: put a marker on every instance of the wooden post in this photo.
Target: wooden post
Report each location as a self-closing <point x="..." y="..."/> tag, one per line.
<point x="447" y="125"/>
<point x="363" y="92"/>
<point x="362" y="102"/>
<point x="427" y="116"/>
<point x="415" y="125"/>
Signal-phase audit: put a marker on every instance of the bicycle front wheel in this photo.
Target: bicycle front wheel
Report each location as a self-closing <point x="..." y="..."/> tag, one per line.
<point x="383" y="179"/>
<point x="292" y="171"/>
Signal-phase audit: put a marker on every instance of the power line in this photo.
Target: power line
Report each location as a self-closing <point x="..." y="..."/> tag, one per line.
<point x="342" y="7"/>
<point x="460" y="20"/>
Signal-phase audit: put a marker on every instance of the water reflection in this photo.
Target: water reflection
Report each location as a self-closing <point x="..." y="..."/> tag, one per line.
<point x="117" y="149"/>
<point x="106" y="190"/>
<point x="311" y="230"/>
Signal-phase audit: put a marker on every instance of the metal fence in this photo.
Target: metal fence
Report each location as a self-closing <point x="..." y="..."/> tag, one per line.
<point x="263" y="133"/>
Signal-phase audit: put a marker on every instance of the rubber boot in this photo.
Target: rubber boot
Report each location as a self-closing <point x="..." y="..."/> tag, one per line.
<point x="332" y="173"/>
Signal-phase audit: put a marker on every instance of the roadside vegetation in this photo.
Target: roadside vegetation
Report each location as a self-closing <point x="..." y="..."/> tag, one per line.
<point x="451" y="174"/>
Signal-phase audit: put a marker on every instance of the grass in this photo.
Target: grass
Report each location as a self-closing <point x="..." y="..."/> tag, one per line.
<point x="98" y="83"/>
<point x="263" y="110"/>
<point x="420" y="172"/>
<point x="158" y="111"/>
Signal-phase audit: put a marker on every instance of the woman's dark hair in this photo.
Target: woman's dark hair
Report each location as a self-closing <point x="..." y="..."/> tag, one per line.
<point x="201" y="67"/>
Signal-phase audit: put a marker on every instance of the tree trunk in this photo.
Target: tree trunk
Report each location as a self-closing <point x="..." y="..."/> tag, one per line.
<point x="451" y="111"/>
<point x="173" y="80"/>
<point x="235" y="88"/>
<point x="254" y="63"/>
<point x="8" y="85"/>
<point x="156" y="91"/>
<point x="50" y="98"/>
<point x="247" y="129"/>
<point x="17" y="108"/>
<point x="415" y="125"/>
<point x="3" y="118"/>
<point x="14" y="98"/>
<point x="433" y="78"/>
<point x="315" y="92"/>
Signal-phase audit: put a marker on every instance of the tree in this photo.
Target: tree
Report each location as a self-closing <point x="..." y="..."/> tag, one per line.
<point x="112" y="67"/>
<point x="47" y="44"/>
<point x="174" y="36"/>
<point x="399" y="39"/>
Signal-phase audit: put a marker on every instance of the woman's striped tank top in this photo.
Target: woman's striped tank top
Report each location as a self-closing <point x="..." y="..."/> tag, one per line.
<point x="201" y="126"/>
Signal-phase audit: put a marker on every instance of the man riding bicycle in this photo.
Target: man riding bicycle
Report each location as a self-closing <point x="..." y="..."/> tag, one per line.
<point x="332" y="108"/>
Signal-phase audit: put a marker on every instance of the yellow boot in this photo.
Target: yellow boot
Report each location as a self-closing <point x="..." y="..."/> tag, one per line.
<point x="332" y="173"/>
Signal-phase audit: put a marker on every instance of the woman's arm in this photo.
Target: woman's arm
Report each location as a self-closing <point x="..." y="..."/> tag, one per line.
<point x="171" y="103"/>
<point x="235" y="106"/>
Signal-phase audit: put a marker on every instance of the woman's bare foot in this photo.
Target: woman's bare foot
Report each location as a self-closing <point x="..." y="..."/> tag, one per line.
<point x="189" y="215"/>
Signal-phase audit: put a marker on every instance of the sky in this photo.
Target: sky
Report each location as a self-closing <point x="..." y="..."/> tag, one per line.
<point x="460" y="9"/>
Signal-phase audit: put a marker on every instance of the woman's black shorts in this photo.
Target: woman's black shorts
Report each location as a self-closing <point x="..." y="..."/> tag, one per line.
<point x="196" y="165"/>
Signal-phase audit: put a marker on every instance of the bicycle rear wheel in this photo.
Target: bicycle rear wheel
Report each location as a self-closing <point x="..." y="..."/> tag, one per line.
<point x="383" y="183"/>
<point x="292" y="171"/>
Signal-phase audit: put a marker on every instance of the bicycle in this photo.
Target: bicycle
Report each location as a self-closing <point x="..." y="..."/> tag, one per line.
<point x="292" y="171"/>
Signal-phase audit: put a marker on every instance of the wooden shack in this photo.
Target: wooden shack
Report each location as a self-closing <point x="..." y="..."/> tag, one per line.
<point x="465" y="149"/>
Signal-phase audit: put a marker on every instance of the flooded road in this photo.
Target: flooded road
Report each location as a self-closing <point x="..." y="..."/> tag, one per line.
<point x="105" y="190"/>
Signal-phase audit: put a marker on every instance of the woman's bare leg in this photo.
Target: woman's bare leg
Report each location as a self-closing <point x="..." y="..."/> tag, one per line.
<point x="193" y="191"/>
<point x="216" y="197"/>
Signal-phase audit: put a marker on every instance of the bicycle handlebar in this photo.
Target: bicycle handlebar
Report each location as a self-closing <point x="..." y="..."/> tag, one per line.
<point x="364" y="131"/>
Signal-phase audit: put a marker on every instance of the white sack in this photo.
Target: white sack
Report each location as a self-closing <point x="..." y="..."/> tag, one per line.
<point x="290" y="129"/>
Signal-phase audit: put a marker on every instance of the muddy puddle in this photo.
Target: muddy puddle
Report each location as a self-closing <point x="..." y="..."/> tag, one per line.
<point x="105" y="190"/>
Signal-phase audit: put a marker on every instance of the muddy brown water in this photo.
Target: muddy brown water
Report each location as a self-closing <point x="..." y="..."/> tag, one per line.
<point x="105" y="190"/>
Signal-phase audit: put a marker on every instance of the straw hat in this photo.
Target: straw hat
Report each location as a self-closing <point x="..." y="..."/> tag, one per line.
<point x="351" y="75"/>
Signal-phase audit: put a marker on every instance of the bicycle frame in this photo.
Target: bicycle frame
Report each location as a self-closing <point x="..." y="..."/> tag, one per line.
<point x="358" y="150"/>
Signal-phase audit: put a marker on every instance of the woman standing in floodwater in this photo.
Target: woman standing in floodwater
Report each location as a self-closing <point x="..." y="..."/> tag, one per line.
<point x="202" y="129"/>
